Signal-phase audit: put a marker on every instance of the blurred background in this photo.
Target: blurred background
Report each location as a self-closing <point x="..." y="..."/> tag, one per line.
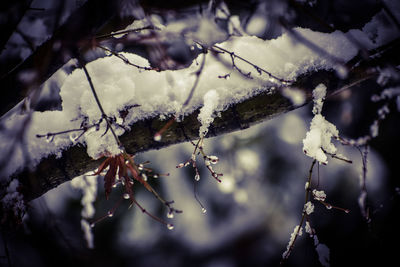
<point x="251" y="214"/>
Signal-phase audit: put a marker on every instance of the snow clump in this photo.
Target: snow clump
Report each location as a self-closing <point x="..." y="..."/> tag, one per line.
<point x="318" y="139"/>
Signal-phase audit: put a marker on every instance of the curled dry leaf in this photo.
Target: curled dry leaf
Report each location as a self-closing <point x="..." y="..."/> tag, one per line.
<point x="123" y="167"/>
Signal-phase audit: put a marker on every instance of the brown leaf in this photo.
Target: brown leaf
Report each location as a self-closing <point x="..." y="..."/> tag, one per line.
<point x="102" y="166"/>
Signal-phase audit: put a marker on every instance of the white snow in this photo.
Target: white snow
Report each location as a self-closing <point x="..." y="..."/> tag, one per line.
<point x="206" y="115"/>
<point x="121" y="86"/>
<point x="309" y="207"/>
<point x="318" y="138"/>
<point x="309" y="229"/>
<point x="319" y="195"/>
<point x="319" y="94"/>
<point x="296" y="231"/>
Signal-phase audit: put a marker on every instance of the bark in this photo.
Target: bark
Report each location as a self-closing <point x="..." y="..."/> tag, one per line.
<point x="53" y="171"/>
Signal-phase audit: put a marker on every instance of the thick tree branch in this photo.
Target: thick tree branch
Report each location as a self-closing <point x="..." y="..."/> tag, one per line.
<point x="52" y="172"/>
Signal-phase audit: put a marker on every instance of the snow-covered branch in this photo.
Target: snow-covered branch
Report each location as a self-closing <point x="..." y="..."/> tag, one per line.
<point x="74" y="161"/>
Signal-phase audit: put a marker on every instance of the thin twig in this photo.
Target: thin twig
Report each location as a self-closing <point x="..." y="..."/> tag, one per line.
<point x="125" y="60"/>
<point x="103" y="114"/>
<point x="63" y="132"/>
<point x="257" y="68"/>
<point x="304" y="214"/>
<point x="196" y="197"/>
<point x="149" y="188"/>
<point x="196" y="82"/>
<point x="124" y="153"/>
<point x="157" y="136"/>
<point x="109" y="35"/>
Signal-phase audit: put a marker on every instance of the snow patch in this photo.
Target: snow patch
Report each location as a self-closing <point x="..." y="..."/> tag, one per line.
<point x="207" y="112"/>
<point x="318" y="138"/>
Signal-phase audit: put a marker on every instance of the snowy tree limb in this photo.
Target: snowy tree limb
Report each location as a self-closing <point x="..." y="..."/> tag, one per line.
<point x="53" y="171"/>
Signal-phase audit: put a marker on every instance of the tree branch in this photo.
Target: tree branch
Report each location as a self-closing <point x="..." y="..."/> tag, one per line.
<point x="53" y="171"/>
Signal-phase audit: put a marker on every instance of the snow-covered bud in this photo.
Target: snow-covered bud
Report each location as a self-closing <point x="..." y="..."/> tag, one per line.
<point x="213" y="159"/>
<point x="319" y="195"/>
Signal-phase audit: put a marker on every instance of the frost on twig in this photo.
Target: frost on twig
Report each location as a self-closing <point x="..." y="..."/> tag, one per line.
<point x="309" y="208"/>
<point x="297" y="231"/>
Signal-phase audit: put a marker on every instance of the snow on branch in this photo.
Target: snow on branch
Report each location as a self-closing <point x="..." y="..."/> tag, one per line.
<point x="137" y="100"/>
<point x="120" y="85"/>
<point x="318" y="139"/>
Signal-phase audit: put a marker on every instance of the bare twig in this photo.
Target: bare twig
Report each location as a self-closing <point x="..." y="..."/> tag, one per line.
<point x="303" y="216"/>
<point x="157" y="136"/>
<point x="125" y="60"/>
<point x="109" y="35"/>
<point x="103" y="114"/>
<point x="196" y="82"/>
<point x="126" y="156"/>
<point x="257" y="68"/>
<point x="311" y="44"/>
